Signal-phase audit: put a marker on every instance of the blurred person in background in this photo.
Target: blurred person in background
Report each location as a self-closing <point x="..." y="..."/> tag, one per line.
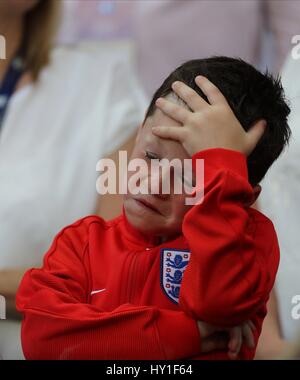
<point x="280" y="201"/>
<point x="258" y="31"/>
<point x="97" y="20"/>
<point x="61" y="110"/>
<point x="168" y="32"/>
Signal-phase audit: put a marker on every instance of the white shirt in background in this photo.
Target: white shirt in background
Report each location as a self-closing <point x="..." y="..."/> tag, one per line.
<point x="86" y="104"/>
<point x="280" y="200"/>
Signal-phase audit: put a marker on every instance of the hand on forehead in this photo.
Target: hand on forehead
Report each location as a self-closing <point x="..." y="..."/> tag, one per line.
<point x="163" y="147"/>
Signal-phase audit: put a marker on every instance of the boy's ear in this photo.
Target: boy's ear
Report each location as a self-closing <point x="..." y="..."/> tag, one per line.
<point x="256" y="192"/>
<point x="255" y="195"/>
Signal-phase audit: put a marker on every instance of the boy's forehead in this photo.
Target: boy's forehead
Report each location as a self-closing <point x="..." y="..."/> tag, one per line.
<point x="160" y="119"/>
<point x="165" y="147"/>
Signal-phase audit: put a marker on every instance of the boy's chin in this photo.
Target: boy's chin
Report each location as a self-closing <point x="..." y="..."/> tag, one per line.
<point x="144" y="224"/>
<point x="147" y="227"/>
<point x="148" y="222"/>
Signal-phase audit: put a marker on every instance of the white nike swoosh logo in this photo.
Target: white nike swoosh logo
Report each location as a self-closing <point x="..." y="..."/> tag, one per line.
<point x="97" y="291"/>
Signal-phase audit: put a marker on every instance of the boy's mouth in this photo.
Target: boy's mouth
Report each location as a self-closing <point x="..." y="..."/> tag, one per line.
<point x="146" y="204"/>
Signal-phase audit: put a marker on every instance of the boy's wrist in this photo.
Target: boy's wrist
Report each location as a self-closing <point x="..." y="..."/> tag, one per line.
<point x="220" y="158"/>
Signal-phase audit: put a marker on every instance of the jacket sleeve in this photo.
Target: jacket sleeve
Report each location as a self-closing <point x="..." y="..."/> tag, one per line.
<point x="231" y="269"/>
<point x="59" y="323"/>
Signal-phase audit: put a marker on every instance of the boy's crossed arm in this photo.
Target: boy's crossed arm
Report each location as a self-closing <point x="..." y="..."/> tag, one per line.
<point x="60" y="323"/>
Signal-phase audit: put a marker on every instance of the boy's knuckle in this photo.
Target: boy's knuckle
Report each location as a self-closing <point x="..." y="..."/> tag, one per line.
<point x="177" y="110"/>
<point x="191" y="93"/>
<point x="190" y="119"/>
<point x="214" y="90"/>
<point x="203" y="116"/>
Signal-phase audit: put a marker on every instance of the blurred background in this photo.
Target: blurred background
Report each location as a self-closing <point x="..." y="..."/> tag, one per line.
<point x="74" y="88"/>
<point x="172" y="30"/>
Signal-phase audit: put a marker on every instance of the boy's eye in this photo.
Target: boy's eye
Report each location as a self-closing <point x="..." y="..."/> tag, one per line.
<point x="151" y="156"/>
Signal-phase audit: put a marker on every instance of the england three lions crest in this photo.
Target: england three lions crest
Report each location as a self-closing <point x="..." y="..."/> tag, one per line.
<point x="173" y="264"/>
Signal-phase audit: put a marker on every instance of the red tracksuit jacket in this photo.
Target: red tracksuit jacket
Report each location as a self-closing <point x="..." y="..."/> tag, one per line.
<point x="105" y="292"/>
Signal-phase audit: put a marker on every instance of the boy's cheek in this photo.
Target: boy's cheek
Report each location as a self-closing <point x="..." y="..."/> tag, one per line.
<point x="179" y="208"/>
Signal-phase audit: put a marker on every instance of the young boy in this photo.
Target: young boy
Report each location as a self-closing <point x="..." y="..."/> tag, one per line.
<point x="165" y="280"/>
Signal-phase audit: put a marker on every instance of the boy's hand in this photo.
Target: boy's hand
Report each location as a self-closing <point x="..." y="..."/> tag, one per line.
<point x="218" y="338"/>
<point x="207" y="126"/>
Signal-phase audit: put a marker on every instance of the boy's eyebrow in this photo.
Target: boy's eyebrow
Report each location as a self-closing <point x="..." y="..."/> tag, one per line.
<point x="155" y="145"/>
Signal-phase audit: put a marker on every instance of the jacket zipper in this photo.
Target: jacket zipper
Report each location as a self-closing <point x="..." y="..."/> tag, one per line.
<point x="132" y="277"/>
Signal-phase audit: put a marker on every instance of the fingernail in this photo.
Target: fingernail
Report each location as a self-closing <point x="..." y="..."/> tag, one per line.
<point x="174" y="84"/>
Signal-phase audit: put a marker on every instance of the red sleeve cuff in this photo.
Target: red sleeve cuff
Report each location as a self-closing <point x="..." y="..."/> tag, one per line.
<point x="178" y="334"/>
<point x="216" y="159"/>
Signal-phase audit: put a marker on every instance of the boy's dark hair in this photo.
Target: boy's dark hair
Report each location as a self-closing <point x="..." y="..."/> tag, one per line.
<point x="251" y="95"/>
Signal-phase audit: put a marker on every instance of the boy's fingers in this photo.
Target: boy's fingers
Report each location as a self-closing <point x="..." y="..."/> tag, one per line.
<point x="172" y="110"/>
<point x="214" y="342"/>
<point x="172" y="133"/>
<point x="189" y="96"/>
<point x="214" y="95"/>
<point x="255" y="134"/>
<point x="251" y="324"/>
<point x="248" y="335"/>
<point x="235" y="340"/>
